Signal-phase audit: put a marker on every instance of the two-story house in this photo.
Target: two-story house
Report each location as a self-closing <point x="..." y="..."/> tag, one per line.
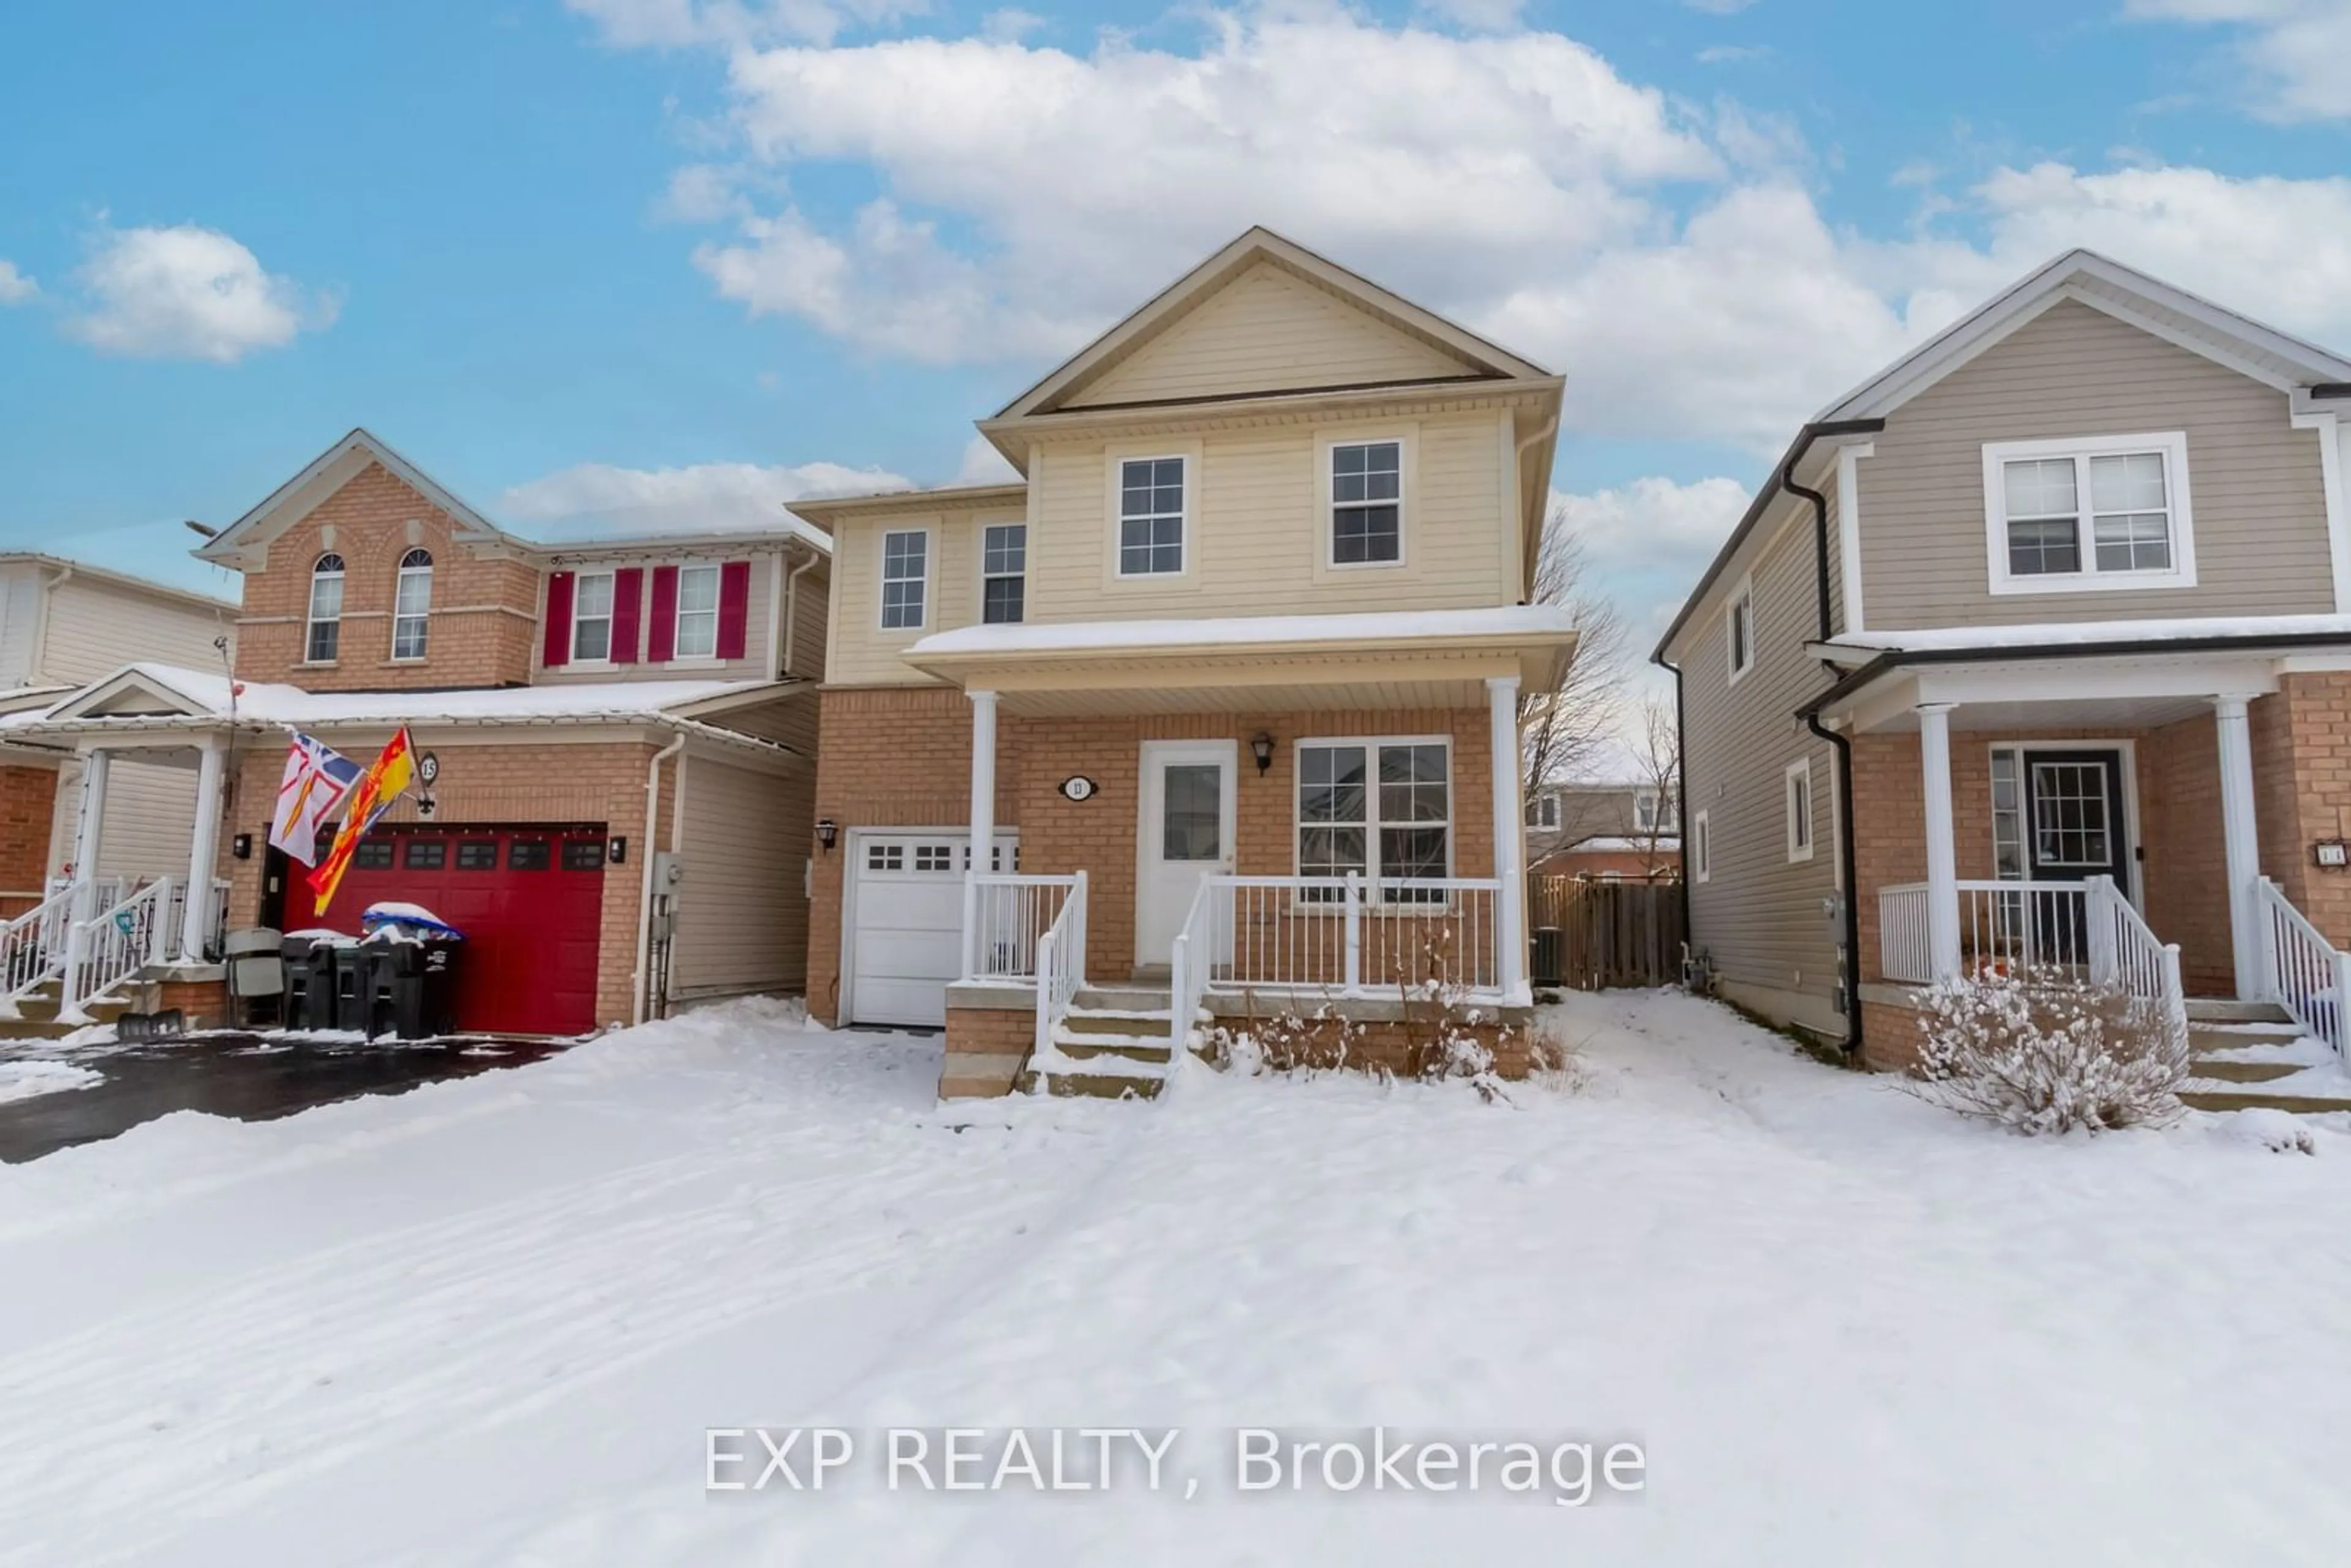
<point x="64" y="623"/>
<point x="1616" y="830"/>
<point x="2035" y="648"/>
<point x="620" y="738"/>
<point x="1215" y="708"/>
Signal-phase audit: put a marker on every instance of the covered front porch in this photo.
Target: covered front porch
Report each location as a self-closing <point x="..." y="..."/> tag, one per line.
<point x="1227" y="817"/>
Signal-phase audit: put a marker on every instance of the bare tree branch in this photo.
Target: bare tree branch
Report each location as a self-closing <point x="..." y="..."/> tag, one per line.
<point x="1565" y="730"/>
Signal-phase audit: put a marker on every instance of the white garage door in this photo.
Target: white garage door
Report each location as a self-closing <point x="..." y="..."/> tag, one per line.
<point x="906" y="915"/>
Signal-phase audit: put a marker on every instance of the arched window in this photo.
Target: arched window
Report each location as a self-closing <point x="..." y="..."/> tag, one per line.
<point x="326" y="610"/>
<point x="410" y="600"/>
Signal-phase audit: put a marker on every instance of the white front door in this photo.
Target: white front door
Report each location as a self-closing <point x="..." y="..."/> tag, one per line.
<point x="1186" y="832"/>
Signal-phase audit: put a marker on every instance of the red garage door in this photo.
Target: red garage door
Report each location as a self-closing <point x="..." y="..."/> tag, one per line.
<point x="529" y="900"/>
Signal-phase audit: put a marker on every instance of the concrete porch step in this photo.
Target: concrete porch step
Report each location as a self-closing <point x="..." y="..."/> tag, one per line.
<point x="2254" y="1100"/>
<point x="2246" y="1071"/>
<point x="1089" y="1086"/>
<point x="2223" y="1009"/>
<point x="1151" y="1049"/>
<point x="1135" y="998"/>
<point x="1115" y="1021"/>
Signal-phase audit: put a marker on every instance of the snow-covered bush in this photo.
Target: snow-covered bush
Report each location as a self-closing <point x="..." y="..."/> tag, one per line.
<point x="1318" y="1041"/>
<point x="2044" y="1050"/>
<point x="1445" y="1035"/>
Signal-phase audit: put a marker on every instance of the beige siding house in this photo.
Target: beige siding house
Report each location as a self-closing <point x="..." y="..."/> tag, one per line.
<point x="2030" y="651"/>
<point x="1209" y="704"/>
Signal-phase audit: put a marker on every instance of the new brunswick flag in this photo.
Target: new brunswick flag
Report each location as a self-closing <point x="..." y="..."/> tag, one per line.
<point x="386" y="778"/>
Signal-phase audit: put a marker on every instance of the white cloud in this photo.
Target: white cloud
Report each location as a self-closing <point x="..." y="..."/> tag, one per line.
<point x="191" y="293"/>
<point x="16" y="287"/>
<point x="1653" y="523"/>
<point x="1008" y="25"/>
<point x="2295" y="54"/>
<point x="678" y="23"/>
<point x="599" y="499"/>
<point x="984" y="465"/>
<point x="701" y="194"/>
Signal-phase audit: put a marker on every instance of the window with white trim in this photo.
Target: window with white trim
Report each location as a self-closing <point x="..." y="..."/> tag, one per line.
<point x="1739" y="622"/>
<point x="695" y="634"/>
<point x="2101" y="512"/>
<point x="411" y="601"/>
<point x="1653" y="812"/>
<point x="1543" y="812"/>
<point x="1701" y="848"/>
<point x="1799" y="809"/>
<point x="591" y="618"/>
<point x="1150" y="517"/>
<point x="1384" y="808"/>
<point x="325" y="637"/>
<point x="1003" y="573"/>
<point x="905" y="577"/>
<point x="1367" y="503"/>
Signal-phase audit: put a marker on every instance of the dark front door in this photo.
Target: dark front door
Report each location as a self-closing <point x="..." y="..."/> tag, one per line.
<point x="2074" y="828"/>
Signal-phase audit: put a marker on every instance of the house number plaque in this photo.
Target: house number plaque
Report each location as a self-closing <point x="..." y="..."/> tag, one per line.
<point x="1079" y="788"/>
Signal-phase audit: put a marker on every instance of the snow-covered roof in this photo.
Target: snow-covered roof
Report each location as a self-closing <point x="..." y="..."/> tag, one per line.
<point x="1500" y="623"/>
<point x="1992" y="639"/>
<point x="1615" y="843"/>
<point x="178" y="695"/>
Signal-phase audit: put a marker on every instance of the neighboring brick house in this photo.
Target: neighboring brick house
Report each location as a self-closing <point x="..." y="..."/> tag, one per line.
<point x="1238" y="650"/>
<point x="623" y="733"/>
<point x="2071" y="588"/>
<point x="63" y="622"/>
<point x="1614" y="831"/>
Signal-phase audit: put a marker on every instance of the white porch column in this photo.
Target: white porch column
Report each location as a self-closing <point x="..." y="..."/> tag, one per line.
<point x="2241" y="839"/>
<point x="203" y="851"/>
<point x="983" y="822"/>
<point x="1509" y="867"/>
<point x="1942" y="850"/>
<point x="88" y="831"/>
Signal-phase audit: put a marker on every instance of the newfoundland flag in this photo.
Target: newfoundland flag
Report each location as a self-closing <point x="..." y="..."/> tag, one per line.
<point x="318" y="780"/>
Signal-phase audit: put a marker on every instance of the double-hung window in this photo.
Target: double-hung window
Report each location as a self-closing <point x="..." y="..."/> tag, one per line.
<point x="325" y="635"/>
<point x="1367" y="503"/>
<point x="906" y="578"/>
<point x="1150" y="514"/>
<point x="1003" y="573"/>
<point x="1738" y="624"/>
<point x="412" y="604"/>
<point x="697" y="612"/>
<point x="1543" y="812"/>
<point x="1384" y="808"/>
<point x="591" y="618"/>
<point x="2103" y="512"/>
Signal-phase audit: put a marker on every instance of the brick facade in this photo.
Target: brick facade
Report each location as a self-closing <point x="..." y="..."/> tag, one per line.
<point x="985" y="1049"/>
<point x="27" y="803"/>
<point x="489" y="784"/>
<point x="2302" y="784"/>
<point x="901" y="757"/>
<point x="485" y="608"/>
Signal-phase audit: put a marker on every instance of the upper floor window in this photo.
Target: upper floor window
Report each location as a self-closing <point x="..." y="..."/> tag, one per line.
<point x="1543" y="812"/>
<point x="2103" y="512"/>
<point x="1644" y="811"/>
<point x="1003" y="573"/>
<point x="1150" y="517"/>
<point x="905" y="574"/>
<point x="697" y="612"/>
<point x="591" y="618"/>
<point x="326" y="621"/>
<point x="1367" y="503"/>
<point x="411" y="600"/>
<point x="1740" y="622"/>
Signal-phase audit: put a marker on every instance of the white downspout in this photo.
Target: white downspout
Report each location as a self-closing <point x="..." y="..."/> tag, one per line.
<point x="645" y="878"/>
<point x="792" y="610"/>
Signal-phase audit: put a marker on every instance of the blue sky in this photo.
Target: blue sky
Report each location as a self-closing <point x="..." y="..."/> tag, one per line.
<point x="622" y="263"/>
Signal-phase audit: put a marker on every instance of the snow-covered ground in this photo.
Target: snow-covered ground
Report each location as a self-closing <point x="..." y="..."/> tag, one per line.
<point x="488" y="1321"/>
<point x="23" y="1079"/>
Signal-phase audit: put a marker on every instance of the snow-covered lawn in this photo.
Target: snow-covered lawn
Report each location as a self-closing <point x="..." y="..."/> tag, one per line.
<point x="488" y="1321"/>
<point x="24" y="1080"/>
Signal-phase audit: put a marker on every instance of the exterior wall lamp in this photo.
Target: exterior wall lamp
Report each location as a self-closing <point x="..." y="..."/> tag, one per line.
<point x="827" y="830"/>
<point x="1261" y="747"/>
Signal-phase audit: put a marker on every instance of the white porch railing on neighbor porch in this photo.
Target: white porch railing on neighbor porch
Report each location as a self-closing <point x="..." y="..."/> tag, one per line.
<point x="33" y="946"/>
<point x="2306" y="973"/>
<point x="1061" y="964"/>
<point x="2015" y="924"/>
<point x="1347" y="935"/>
<point x="115" y="944"/>
<point x="1010" y="914"/>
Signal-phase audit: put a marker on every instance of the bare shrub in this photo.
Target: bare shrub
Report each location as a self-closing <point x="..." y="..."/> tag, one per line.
<point x="1556" y="1063"/>
<point x="1288" y="1042"/>
<point x="1441" y="1027"/>
<point x="2044" y="1050"/>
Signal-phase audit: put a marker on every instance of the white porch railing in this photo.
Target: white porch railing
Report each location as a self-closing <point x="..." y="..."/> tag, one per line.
<point x="1349" y="935"/>
<point x="1061" y="965"/>
<point x="2001" y="924"/>
<point x="33" y="946"/>
<point x="2123" y="952"/>
<point x="115" y="944"/>
<point x="2306" y="973"/>
<point x="1188" y="963"/>
<point x="1010" y="912"/>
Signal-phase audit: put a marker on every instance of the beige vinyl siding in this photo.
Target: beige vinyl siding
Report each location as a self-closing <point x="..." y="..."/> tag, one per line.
<point x="742" y="908"/>
<point x="2255" y="483"/>
<point x="1268" y="331"/>
<point x="151" y="819"/>
<point x="1758" y="915"/>
<point x="95" y="628"/>
<point x="753" y="665"/>
<point x="861" y="652"/>
<point x="813" y="601"/>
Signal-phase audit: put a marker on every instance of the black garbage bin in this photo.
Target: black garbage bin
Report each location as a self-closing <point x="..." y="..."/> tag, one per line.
<point x="353" y="987"/>
<point x="294" y="1010"/>
<point x="388" y="964"/>
<point x="318" y="998"/>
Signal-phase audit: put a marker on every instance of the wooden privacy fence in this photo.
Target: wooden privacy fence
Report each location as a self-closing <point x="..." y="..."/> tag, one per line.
<point x="1591" y="934"/>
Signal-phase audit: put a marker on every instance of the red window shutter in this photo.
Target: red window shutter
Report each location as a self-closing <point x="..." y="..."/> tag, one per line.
<point x="663" y="645"/>
<point x="558" y="650"/>
<point x="628" y="601"/>
<point x="733" y="608"/>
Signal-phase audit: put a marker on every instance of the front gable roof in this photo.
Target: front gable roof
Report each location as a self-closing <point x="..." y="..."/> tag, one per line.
<point x="244" y="543"/>
<point x="1386" y="334"/>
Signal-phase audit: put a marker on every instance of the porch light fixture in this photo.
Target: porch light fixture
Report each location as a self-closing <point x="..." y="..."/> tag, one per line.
<point x="1261" y="747"/>
<point x="827" y="830"/>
